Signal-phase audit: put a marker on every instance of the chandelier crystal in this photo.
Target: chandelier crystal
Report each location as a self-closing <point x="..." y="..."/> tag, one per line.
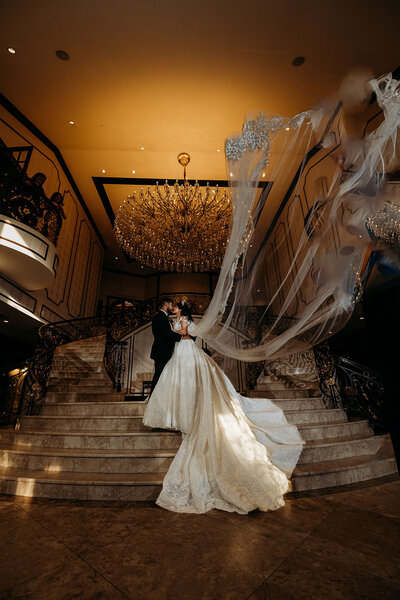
<point x="175" y="228"/>
<point x="385" y="226"/>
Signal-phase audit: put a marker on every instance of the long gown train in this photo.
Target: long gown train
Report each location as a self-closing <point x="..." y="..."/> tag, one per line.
<point x="237" y="453"/>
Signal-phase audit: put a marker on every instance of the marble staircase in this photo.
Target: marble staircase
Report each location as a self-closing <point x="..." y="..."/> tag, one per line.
<point x="88" y="443"/>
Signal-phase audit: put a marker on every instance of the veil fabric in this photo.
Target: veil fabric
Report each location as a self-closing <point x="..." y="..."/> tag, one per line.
<point x="291" y="271"/>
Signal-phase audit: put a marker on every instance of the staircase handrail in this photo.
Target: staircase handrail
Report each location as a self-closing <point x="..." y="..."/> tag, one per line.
<point x="351" y="386"/>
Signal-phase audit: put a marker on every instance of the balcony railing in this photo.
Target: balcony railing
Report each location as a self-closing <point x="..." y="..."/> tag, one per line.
<point x="28" y="206"/>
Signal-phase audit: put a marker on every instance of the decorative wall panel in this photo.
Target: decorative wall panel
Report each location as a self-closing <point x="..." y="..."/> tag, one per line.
<point x="79" y="272"/>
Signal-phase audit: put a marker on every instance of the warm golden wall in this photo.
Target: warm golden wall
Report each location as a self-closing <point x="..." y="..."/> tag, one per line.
<point x="119" y="284"/>
<point x="74" y="292"/>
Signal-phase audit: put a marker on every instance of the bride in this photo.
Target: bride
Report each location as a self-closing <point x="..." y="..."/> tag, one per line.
<point x="237" y="453"/>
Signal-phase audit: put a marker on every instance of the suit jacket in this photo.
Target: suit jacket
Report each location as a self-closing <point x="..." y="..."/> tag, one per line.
<point x="164" y="337"/>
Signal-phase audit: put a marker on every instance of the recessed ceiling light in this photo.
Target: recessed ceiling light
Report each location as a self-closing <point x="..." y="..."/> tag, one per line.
<point x="71" y="122"/>
<point x="62" y="55"/>
<point x="263" y="174"/>
<point x="298" y="61"/>
<point x="5" y="321"/>
<point x="142" y="148"/>
<point x="361" y="318"/>
<point x="218" y="150"/>
<point x="103" y="170"/>
<point x="11" y="50"/>
<point x="330" y="331"/>
<point x="287" y="128"/>
<point x="116" y="257"/>
<point x="133" y="171"/>
<point x="231" y="174"/>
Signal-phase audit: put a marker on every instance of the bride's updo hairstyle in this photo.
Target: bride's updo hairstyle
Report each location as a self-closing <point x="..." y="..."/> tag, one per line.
<point x="185" y="310"/>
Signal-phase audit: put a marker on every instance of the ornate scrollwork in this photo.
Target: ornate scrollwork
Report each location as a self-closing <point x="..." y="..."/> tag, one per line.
<point x="253" y="371"/>
<point x="114" y="324"/>
<point x="20" y="202"/>
<point x="351" y="386"/>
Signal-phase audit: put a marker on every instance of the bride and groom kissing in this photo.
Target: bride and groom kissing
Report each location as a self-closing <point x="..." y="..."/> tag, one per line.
<point x="237" y="453"/>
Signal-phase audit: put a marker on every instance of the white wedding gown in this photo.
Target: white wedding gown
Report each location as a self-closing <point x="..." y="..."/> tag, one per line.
<point x="237" y="453"/>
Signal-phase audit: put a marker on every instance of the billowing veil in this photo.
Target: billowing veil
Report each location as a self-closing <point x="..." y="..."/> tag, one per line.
<point x="302" y="190"/>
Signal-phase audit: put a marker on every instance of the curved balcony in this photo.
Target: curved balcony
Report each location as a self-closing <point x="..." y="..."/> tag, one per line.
<point x="29" y="229"/>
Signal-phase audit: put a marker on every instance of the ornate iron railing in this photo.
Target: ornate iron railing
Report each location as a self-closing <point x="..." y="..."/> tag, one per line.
<point x="348" y="385"/>
<point x="22" y="203"/>
<point x="24" y="393"/>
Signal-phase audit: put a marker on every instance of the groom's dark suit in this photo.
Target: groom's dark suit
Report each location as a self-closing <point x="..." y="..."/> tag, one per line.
<point x="163" y="345"/>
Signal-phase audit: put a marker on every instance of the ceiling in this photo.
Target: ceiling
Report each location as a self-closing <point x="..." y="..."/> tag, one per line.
<point x="176" y="76"/>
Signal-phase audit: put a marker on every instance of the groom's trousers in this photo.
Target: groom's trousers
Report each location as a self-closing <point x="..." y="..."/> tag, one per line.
<point x="159" y="364"/>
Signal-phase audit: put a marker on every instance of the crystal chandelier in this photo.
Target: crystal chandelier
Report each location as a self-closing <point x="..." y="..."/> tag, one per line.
<point x="385" y="226"/>
<point x="175" y="228"/>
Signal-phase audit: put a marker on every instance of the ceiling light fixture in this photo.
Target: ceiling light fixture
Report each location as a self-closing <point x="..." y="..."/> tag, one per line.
<point x="133" y="172"/>
<point x="62" y="55"/>
<point x="142" y="148"/>
<point x="385" y="226"/>
<point x="5" y="321"/>
<point x="11" y="50"/>
<point x="180" y="228"/>
<point x="218" y="150"/>
<point x="71" y="122"/>
<point x="298" y="61"/>
<point x="103" y="170"/>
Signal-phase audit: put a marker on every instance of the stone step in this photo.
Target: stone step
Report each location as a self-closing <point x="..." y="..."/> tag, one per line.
<point x="324" y="431"/>
<point x="138" y="440"/>
<point x="335" y="473"/>
<point x="86" y="461"/>
<point x="83" y="423"/>
<point x="285" y="393"/>
<point x="147" y="486"/>
<point x="6" y="435"/>
<point x="98" y="372"/>
<point x="86" y="388"/>
<point x="90" y="382"/>
<point x="81" y="486"/>
<point x="290" y="373"/>
<point x="138" y="408"/>
<point x="94" y="408"/>
<point x="338" y="448"/>
<point x="94" y="396"/>
<point x="134" y="422"/>
<point x="96" y="339"/>
<point x="80" y="354"/>
<point x="325" y="415"/>
<point x="78" y="359"/>
<point x="75" y="361"/>
<point x="299" y="403"/>
<point x="286" y="385"/>
<point x="147" y="461"/>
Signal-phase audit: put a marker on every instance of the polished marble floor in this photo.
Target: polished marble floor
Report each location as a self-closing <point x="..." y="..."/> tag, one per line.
<point x="331" y="546"/>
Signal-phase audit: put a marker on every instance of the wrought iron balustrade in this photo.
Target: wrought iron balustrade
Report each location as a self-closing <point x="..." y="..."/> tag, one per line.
<point x="22" y="203"/>
<point x="355" y="388"/>
<point x="24" y="392"/>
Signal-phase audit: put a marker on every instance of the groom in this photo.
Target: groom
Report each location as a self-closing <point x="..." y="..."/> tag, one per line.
<point x="164" y="339"/>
